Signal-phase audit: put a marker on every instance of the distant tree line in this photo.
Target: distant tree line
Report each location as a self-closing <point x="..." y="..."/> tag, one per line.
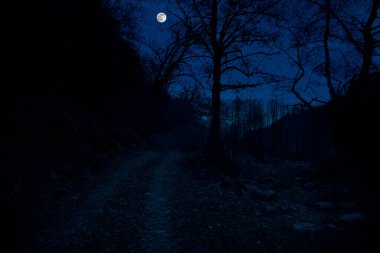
<point x="240" y="116"/>
<point x="274" y="129"/>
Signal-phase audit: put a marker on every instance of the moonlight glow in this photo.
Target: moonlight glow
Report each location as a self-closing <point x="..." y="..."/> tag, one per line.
<point x="161" y="17"/>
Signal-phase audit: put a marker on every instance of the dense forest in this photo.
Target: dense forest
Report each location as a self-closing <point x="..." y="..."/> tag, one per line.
<point x="108" y="149"/>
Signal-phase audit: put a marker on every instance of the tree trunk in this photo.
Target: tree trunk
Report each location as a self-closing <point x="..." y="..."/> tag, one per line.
<point x="357" y="88"/>
<point x="214" y="135"/>
<point x="369" y="40"/>
<point x="326" y="50"/>
<point x="367" y="54"/>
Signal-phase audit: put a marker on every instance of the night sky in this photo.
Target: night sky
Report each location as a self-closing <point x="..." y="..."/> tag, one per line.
<point x="313" y="85"/>
<point x="158" y="33"/>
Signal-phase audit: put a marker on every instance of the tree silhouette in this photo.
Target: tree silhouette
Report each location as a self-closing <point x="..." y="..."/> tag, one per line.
<point x="347" y="25"/>
<point x="225" y="32"/>
<point x="326" y="36"/>
<point x="362" y="34"/>
<point x="170" y="62"/>
<point x="74" y="50"/>
<point x="313" y="33"/>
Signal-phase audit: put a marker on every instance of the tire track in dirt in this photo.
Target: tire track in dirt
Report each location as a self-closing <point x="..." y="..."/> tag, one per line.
<point x="67" y="233"/>
<point x="157" y="236"/>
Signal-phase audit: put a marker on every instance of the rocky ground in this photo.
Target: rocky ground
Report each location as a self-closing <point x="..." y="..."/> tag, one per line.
<point x="176" y="202"/>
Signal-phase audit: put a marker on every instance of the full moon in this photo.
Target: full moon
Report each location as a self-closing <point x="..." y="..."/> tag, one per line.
<point x="161" y="17"/>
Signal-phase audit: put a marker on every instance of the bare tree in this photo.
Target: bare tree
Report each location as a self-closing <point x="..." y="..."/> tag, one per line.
<point x="326" y="36"/>
<point x="369" y="32"/>
<point x="363" y="35"/>
<point x="225" y="32"/>
<point x="273" y="108"/>
<point x="345" y="24"/>
<point x="314" y="31"/>
<point x="124" y="13"/>
<point x="171" y="63"/>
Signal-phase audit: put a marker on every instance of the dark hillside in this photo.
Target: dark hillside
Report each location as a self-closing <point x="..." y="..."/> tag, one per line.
<point x="302" y="135"/>
<point x="345" y="130"/>
<point x="70" y="96"/>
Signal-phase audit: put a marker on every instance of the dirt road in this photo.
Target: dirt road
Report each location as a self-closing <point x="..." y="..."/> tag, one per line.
<point x="154" y="203"/>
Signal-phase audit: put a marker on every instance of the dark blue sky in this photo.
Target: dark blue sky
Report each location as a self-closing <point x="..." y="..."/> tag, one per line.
<point x="158" y="33"/>
<point x="155" y="33"/>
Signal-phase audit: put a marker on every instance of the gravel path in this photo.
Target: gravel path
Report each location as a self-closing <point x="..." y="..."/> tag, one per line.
<point x="112" y="213"/>
<point x="158" y="202"/>
<point x="157" y="234"/>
